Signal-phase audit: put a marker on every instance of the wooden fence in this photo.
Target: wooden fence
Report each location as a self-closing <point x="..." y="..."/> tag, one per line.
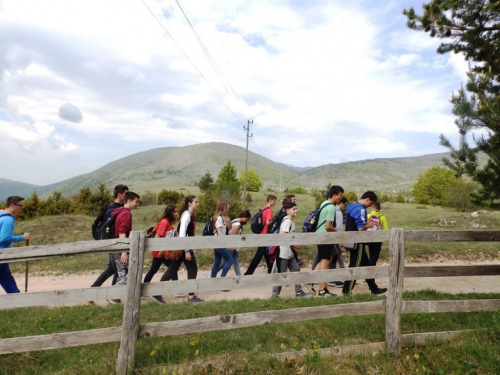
<point x="131" y="293"/>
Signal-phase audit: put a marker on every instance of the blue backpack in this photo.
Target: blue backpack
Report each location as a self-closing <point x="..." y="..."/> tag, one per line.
<point x="311" y="222"/>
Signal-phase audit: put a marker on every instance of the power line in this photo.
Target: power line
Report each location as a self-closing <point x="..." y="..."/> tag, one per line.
<point x="211" y="60"/>
<point x="192" y="63"/>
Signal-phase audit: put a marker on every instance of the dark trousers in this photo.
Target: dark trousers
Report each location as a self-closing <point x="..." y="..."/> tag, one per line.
<point x="359" y="258"/>
<point x="155" y="266"/>
<point x="7" y="280"/>
<point x="191" y="267"/>
<point x="107" y="273"/>
<point x="261" y="252"/>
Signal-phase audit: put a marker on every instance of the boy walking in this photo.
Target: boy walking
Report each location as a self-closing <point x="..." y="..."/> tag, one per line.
<point x="286" y="259"/>
<point x="326" y="223"/>
<point x="123" y="227"/>
<point x="118" y="194"/>
<point x="13" y="206"/>
<point x="267" y="216"/>
<point x="356" y="220"/>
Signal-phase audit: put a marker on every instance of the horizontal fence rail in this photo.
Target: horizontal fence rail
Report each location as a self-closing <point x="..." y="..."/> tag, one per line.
<point x="18" y="254"/>
<point x="73" y="296"/>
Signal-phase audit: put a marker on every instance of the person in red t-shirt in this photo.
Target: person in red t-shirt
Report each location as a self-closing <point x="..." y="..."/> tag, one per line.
<point x="267" y="216"/>
<point x="123" y="227"/>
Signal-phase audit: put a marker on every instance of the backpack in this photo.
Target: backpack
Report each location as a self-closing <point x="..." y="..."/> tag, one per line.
<point x="274" y="227"/>
<point x="97" y="224"/>
<point x="209" y="228"/>
<point x="107" y="230"/>
<point x="257" y="225"/>
<point x="310" y="223"/>
<point x="377" y="223"/>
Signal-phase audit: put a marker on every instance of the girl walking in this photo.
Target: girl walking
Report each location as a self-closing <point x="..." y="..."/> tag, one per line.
<point x="186" y="228"/>
<point x="166" y="224"/>
<point x="220" y="229"/>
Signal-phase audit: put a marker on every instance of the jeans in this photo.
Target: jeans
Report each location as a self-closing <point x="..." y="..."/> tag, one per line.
<point x="236" y="263"/>
<point x="218" y="255"/>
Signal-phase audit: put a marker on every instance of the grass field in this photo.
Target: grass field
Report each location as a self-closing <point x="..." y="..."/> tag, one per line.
<point x="244" y="351"/>
<point x="60" y="229"/>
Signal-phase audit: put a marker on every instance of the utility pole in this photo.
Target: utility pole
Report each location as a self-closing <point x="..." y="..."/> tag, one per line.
<point x="247" y="128"/>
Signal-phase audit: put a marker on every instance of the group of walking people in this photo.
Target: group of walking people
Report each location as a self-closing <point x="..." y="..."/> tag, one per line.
<point x="182" y="223"/>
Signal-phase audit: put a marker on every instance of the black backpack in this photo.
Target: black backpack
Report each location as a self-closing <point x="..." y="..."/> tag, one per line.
<point x="98" y="222"/>
<point x="107" y="230"/>
<point x="209" y="228"/>
<point x="257" y="225"/>
<point x="276" y="221"/>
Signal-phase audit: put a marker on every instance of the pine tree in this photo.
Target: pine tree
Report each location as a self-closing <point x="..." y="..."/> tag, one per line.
<point x="473" y="29"/>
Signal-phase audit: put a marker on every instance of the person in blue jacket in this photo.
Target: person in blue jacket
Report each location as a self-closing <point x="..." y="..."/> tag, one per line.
<point x="13" y="206"/>
<point x="356" y="220"/>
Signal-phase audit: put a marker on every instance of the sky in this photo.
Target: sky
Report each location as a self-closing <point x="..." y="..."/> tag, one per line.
<point x="84" y="83"/>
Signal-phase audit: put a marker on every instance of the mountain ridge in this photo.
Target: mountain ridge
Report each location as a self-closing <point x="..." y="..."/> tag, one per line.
<point x="178" y="167"/>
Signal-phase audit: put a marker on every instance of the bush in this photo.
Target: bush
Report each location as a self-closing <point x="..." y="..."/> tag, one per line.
<point x="458" y="196"/>
<point x="148" y="198"/>
<point x="400" y="198"/>
<point x="351" y="197"/>
<point x="299" y="190"/>
<point x="169" y="197"/>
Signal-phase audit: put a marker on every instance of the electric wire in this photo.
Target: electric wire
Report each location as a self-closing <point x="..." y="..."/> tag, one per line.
<point x="211" y="60"/>
<point x="192" y="63"/>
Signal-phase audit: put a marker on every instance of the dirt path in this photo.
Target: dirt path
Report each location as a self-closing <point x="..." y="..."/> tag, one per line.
<point x="455" y="285"/>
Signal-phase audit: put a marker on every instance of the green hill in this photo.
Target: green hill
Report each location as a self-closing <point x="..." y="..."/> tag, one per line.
<point x="177" y="167"/>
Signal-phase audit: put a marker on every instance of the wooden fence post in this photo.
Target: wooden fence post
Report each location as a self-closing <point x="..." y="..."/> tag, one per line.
<point x="130" y="327"/>
<point x="395" y="293"/>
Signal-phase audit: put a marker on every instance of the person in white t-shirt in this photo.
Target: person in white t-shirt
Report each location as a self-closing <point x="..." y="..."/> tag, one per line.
<point x="237" y="224"/>
<point x="287" y="261"/>
<point x="220" y="227"/>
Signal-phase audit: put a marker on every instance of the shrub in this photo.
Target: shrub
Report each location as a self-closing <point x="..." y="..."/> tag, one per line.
<point x="400" y="198"/>
<point x="169" y="197"/>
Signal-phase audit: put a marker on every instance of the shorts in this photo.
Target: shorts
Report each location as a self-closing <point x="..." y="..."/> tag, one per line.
<point x="325" y="251"/>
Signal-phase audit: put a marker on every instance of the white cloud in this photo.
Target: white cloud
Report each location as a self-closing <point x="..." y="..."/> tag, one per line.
<point x="304" y="71"/>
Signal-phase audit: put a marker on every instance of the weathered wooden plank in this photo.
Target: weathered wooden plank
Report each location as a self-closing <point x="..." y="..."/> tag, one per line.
<point x="60" y="340"/>
<point x="61" y="297"/>
<point x="215" y="323"/>
<point x="170" y="243"/>
<point x="451" y="306"/>
<point x="16" y="254"/>
<point x="263" y="280"/>
<point x="395" y="292"/>
<point x="131" y="312"/>
<point x="370" y="349"/>
<point x="256" y="240"/>
<point x="74" y="296"/>
<point x="225" y="322"/>
<point x="450" y="271"/>
<point x="451" y="236"/>
<point x="253" y="240"/>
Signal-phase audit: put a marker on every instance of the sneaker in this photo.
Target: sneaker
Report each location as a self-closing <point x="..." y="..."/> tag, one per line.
<point x="326" y="293"/>
<point x="195" y="299"/>
<point x="311" y="288"/>
<point x="158" y="299"/>
<point x="336" y="284"/>
<point x="115" y="301"/>
<point x="302" y="294"/>
<point x="379" y="291"/>
<point x="177" y="295"/>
